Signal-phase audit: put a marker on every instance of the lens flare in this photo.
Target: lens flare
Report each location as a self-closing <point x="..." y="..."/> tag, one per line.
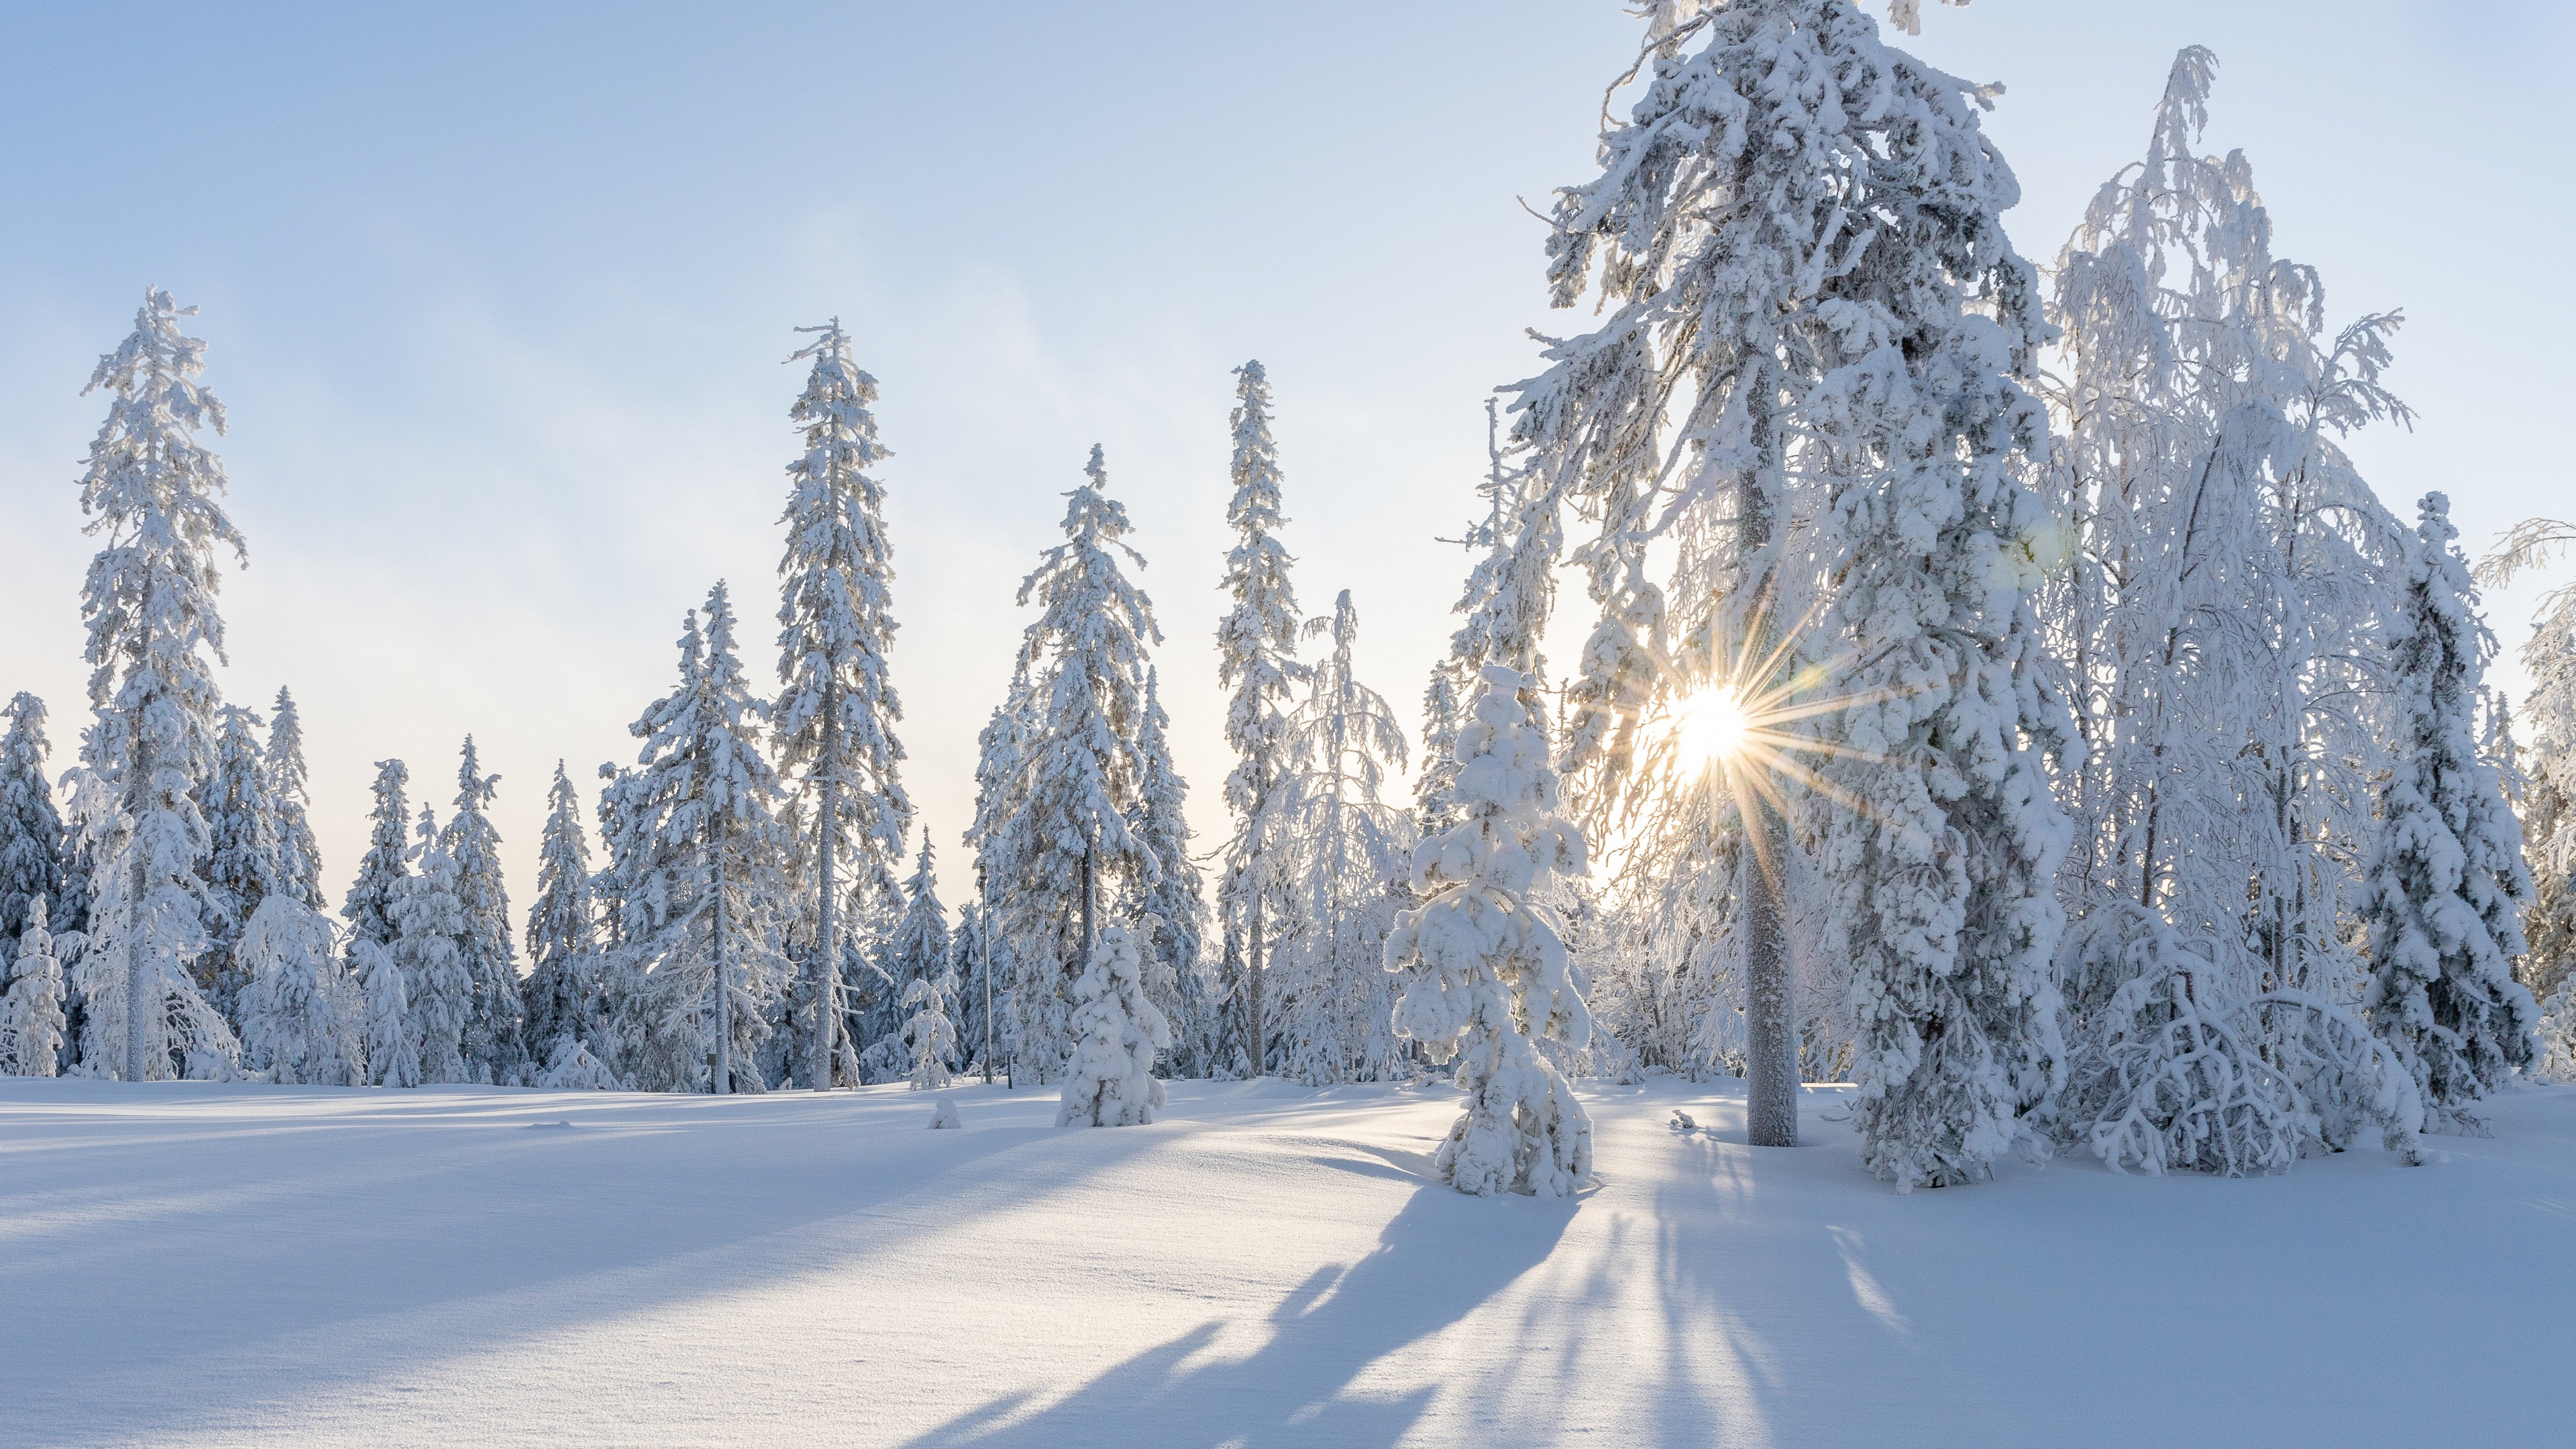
<point x="1709" y="726"/>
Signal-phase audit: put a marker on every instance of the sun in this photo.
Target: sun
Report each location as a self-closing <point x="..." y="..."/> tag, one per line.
<point x="1709" y="725"/>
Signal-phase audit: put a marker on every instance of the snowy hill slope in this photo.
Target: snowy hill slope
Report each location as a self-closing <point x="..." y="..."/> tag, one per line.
<point x="198" y="1265"/>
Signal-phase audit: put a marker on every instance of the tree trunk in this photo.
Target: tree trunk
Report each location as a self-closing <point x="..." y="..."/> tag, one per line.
<point x="1090" y="903"/>
<point x="723" y="1085"/>
<point x="137" y="965"/>
<point x="1770" y="975"/>
<point x="1770" y="982"/>
<point x="984" y="940"/>
<point x="827" y="962"/>
<point x="1252" y="1049"/>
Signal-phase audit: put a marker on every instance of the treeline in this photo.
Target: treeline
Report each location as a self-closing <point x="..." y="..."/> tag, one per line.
<point x="2006" y="694"/>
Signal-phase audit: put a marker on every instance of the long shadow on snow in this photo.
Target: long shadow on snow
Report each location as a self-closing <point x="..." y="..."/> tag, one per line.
<point x="349" y="1266"/>
<point x="1436" y="1261"/>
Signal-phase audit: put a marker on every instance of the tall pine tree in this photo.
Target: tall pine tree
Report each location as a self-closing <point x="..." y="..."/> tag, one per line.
<point x="700" y="861"/>
<point x="369" y="906"/>
<point x="563" y="988"/>
<point x="1175" y="976"/>
<point x="245" y="859"/>
<point x="1066" y="838"/>
<point x="495" y="1046"/>
<point x="836" y="708"/>
<point x="2446" y="882"/>
<point x="289" y="796"/>
<point x="32" y="843"/>
<point x="154" y="635"/>
<point x="1256" y="659"/>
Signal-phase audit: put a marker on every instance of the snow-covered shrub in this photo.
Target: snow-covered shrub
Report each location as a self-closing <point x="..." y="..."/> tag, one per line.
<point x="571" y="1068"/>
<point x="1484" y="968"/>
<point x="1110" y="1081"/>
<point x="2172" y="1070"/>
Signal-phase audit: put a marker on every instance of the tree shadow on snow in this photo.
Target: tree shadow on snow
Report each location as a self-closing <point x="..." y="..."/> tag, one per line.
<point x="1436" y="1261"/>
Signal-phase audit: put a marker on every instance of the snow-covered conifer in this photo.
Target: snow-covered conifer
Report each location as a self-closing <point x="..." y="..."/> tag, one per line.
<point x="1343" y="848"/>
<point x="930" y="1033"/>
<point x="1485" y="973"/>
<point x="32" y="843"/>
<point x="2446" y="880"/>
<point x="303" y="1020"/>
<point x="290" y="798"/>
<point x="563" y="986"/>
<point x="1175" y="977"/>
<point x="1256" y="658"/>
<point x="1001" y="754"/>
<point x="836" y="709"/>
<point x="154" y="634"/>
<point x="701" y="864"/>
<point x="1110" y="1080"/>
<point x="393" y="1051"/>
<point x="31" y="1009"/>
<point x="1740" y="397"/>
<point x="429" y="944"/>
<point x="496" y="1048"/>
<point x="1505" y="603"/>
<point x="245" y="858"/>
<point x="916" y="950"/>
<point x="369" y="906"/>
<point x="1067" y="836"/>
<point x="184" y="1036"/>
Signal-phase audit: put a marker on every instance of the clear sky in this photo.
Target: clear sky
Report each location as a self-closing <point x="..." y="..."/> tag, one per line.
<point x="499" y="297"/>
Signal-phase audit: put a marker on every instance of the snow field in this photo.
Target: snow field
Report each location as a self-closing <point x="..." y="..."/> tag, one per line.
<point x="190" y="1264"/>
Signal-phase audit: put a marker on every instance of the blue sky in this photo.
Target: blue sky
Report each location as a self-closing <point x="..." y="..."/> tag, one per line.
<point x="498" y="297"/>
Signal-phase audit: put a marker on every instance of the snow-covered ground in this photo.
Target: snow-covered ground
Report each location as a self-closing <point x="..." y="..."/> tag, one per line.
<point x="204" y="1265"/>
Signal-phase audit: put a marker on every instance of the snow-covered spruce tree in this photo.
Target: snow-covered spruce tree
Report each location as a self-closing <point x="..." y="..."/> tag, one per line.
<point x="1175" y="977"/>
<point x="245" y="860"/>
<point x="1749" y="200"/>
<point x="303" y="1020"/>
<point x="1505" y="603"/>
<point x="369" y="906"/>
<point x="429" y="945"/>
<point x="289" y="797"/>
<point x="32" y="844"/>
<point x="931" y="1034"/>
<point x="1001" y="752"/>
<point x="1484" y="971"/>
<point x="1256" y="658"/>
<point x="1067" y="837"/>
<point x="1948" y="855"/>
<point x="495" y="1025"/>
<point x="1110" y="1081"/>
<point x="916" y="950"/>
<point x="31" y="1009"/>
<point x="978" y="1024"/>
<point x="1793" y="225"/>
<point x="1343" y="849"/>
<point x="562" y="991"/>
<point x="190" y="1039"/>
<point x="393" y="1046"/>
<point x="836" y="710"/>
<point x="2446" y="880"/>
<point x="700" y="859"/>
<point x="149" y="601"/>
